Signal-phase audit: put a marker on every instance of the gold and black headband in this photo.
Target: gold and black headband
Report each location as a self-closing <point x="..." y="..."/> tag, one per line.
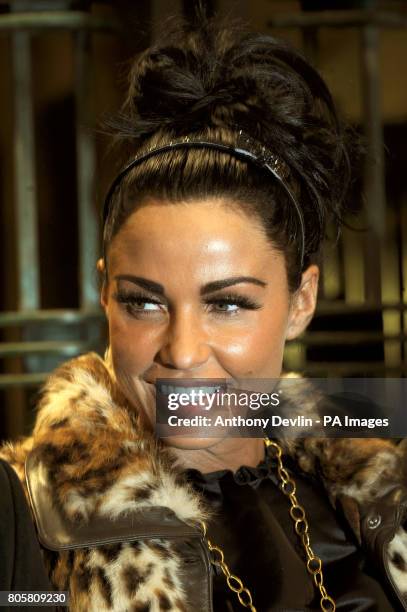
<point x="246" y="149"/>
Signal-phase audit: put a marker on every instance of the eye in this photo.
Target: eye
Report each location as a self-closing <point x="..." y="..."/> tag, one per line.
<point x="230" y="305"/>
<point x="138" y="303"/>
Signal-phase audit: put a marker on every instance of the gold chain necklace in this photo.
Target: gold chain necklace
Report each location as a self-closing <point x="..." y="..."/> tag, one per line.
<point x="297" y="513"/>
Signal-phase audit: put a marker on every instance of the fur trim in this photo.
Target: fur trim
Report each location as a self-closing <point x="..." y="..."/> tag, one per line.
<point x="106" y="463"/>
<point x="108" y="466"/>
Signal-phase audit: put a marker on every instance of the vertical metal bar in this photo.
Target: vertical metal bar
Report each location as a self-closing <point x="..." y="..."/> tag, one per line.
<point x="86" y="163"/>
<point x="332" y="277"/>
<point x="26" y="207"/>
<point x="378" y="245"/>
<point x="374" y="172"/>
<point x="391" y="289"/>
<point x="354" y="267"/>
<point x="403" y="247"/>
<point x="24" y="176"/>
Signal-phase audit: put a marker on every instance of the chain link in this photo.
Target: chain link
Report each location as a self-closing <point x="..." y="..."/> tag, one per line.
<point x="297" y="513"/>
<point x="234" y="583"/>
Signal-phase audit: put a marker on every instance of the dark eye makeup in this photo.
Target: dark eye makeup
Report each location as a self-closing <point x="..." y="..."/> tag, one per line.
<point x="133" y="302"/>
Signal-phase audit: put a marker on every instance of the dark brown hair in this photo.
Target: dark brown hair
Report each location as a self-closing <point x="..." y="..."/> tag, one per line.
<point x="206" y="80"/>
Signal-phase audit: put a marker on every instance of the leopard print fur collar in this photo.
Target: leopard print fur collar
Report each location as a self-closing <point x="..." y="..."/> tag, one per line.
<point x="108" y="466"/>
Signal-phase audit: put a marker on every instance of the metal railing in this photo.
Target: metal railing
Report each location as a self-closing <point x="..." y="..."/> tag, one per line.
<point x="369" y="270"/>
<point x="82" y="326"/>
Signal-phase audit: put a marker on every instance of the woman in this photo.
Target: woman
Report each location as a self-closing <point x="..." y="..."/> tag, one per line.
<point x="235" y="161"/>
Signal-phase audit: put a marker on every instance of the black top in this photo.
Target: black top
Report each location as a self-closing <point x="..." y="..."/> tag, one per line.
<point x="253" y="526"/>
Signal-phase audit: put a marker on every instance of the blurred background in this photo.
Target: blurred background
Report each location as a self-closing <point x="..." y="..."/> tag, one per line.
<point x="63" y="67"/>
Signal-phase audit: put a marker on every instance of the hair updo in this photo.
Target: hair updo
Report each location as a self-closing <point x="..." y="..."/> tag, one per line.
<point x="209" y="81"/>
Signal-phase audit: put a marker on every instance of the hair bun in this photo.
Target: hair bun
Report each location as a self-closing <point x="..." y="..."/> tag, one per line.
<point x="187" y="83"/>
<point x="212" y="74"/>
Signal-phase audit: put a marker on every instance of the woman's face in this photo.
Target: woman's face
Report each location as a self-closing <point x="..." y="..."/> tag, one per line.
<point x="196" y="290"/>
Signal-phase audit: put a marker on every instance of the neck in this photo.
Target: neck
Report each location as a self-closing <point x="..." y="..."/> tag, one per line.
<point x="230" y="453"/>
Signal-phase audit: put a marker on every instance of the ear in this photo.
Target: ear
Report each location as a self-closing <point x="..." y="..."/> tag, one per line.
<point x="303" y="303"/>
<point x="101" y="268"/>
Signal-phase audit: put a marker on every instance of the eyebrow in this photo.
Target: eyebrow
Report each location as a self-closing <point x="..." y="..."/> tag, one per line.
<point x="158" y="289"/>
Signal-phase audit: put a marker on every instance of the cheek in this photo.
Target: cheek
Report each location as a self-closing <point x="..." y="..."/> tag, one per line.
<point x="256" y="351"/>
<point x="132" y="345"/>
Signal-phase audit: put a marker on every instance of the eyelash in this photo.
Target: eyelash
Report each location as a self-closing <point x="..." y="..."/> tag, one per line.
<point x="128" y="300"/>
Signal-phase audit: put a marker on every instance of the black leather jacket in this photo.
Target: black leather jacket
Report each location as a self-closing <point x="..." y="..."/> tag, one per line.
<point x="21" y="567"/>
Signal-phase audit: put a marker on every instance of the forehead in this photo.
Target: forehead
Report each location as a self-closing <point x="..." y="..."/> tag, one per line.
<point x="191" y="236"/>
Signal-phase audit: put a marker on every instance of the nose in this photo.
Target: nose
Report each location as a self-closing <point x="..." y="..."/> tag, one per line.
<point x="186" y="345"/>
